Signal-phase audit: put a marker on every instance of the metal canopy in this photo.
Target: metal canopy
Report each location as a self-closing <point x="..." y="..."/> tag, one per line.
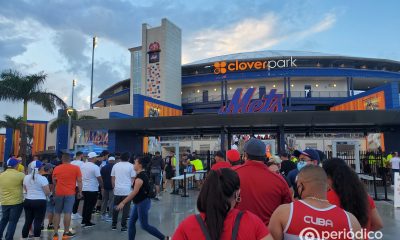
<point x="289" y="122"/>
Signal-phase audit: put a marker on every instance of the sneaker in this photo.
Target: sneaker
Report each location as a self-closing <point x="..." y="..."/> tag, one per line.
<point x="67" y="235"/>
<point x="156" y="199"/>
<point x="124" y="229"/>
<point x="74" y="216"/>
<point x="113" y="227"/>
<point x="78" y="216"/>
<point x="89" y="225"/>
<point x="50" y="227"/>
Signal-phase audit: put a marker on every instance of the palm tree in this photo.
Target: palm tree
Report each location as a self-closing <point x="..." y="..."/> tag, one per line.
<point x="16" y="87"/>
<point x="63" y="120"/>
<point x="13" y="123"/>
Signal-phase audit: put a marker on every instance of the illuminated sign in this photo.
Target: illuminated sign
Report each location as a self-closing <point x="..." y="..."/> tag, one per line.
<point x="271" y="102"/>
<point x="154" y="52"/>
<point x="224" y="67"/>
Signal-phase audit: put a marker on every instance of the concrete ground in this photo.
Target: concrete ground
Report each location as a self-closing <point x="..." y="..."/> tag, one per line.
<point x="172" y="209"/>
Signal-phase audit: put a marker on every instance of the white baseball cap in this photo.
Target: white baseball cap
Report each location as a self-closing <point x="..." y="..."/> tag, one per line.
<point x="111" y="159"/>
<point x="92" y="155"/>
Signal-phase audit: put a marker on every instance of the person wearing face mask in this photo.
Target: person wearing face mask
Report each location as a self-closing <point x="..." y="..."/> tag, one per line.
<point x="306" y="157"/>
<point x="218" y="218"/>
<point x="313" y="212"/>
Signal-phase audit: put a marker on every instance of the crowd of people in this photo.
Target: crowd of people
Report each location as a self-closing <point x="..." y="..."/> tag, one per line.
<point x="248" y="197"/>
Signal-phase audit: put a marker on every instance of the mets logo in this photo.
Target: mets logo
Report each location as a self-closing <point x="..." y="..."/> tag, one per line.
<point x="220" y="67"/>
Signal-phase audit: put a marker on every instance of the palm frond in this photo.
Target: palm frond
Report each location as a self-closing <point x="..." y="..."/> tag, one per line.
<point x="11" y="122"/>
<point x="47" y="100"/>
<point x="58" y="122"/>
<point x="86" y="117"/>
<point x="33" y="81"/>
<point x="11" y="86"/>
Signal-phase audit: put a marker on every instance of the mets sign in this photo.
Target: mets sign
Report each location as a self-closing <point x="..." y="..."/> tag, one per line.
<point x="271" y="102"/>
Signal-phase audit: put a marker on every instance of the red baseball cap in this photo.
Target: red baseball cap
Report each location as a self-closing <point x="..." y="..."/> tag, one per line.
<point x="233" y="155"/>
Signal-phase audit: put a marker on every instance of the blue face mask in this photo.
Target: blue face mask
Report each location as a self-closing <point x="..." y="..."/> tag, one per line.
<point x="301" y="164"/>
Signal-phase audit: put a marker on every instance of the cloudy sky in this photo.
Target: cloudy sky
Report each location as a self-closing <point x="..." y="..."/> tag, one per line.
<point x="54" y="36"/>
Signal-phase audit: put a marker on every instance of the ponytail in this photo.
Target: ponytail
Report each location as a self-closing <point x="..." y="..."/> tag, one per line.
<point x="215" y="199"/>
<point x="33" y="174"/>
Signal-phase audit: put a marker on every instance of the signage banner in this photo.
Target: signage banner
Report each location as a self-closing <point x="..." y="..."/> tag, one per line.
<point x="397" y="190"/>
<point x="271" y="102"/>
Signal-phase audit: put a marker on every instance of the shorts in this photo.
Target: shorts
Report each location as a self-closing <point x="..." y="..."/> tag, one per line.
<point x="50" y="206"/>
<point x="198" y="177"/>
<point x="64" y="204"/>
<point x="156" y="178"/>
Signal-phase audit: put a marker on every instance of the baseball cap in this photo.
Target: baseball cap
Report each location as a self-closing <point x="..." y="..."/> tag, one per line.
<point x="309" y="152"/>
<point x="92" y="155"/>
<point x="36" y="164"/>
<point x="48" y="166"/>
<point x="219" y="154"/>
<point x="12" y="162"/>
<point x="255" y="147"/>
<point x="233" y="155"/>
<point x="111" y="159"/>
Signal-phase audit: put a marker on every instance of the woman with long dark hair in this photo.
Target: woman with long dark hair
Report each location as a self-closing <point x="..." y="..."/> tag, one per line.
<point x="141" y="200"/>
<point x="218" y="218"/>
<point x="37" y="190"/>
<point x="348" y="192"/>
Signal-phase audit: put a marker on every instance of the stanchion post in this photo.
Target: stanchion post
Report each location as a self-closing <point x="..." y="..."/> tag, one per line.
<point x="184" y="184"/>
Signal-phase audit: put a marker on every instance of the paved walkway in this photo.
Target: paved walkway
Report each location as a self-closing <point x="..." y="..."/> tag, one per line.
<point x="172" y="209"/>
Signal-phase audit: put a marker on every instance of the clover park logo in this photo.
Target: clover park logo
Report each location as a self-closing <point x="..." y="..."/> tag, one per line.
<point x="220" y="67"/>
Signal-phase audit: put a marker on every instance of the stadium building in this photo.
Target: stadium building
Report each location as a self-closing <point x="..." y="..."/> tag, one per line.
<point x="239" y="83"/>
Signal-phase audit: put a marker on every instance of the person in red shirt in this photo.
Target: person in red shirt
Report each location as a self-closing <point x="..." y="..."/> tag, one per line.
<point x="262" y="191"/>
<point x="65" y="178"/>
<point x="313" y="217"/>
<point x="218" y="217"/>
<point x="345" y="189"/>
<point x="220" y="162"/>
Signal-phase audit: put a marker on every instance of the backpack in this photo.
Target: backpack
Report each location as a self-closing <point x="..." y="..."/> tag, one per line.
<point x="151" y="190"/>
<point x="235" y="229"/>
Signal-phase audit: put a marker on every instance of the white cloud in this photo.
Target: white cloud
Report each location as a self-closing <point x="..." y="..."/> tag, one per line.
<point x="250" y="34"/>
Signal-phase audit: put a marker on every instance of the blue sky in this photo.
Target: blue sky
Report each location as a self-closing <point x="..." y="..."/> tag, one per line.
<point x="55" y="36"/>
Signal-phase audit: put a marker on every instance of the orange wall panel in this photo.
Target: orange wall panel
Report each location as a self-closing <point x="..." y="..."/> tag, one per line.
<point x="378" y="100"/>
<point x="39" y="138"/>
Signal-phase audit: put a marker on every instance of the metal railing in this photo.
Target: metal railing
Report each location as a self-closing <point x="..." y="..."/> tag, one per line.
<point x="294" y="94"/>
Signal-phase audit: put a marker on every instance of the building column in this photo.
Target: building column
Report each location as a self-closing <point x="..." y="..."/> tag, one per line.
<point x="281" y="139"/>
<point x="352" y="86"/>
<point x="348" y="86"/>
<point x="229" y="140"/>
<point x="289" y="92"/>
<point x="284" y="91"/>
<point x="222" y="136"/>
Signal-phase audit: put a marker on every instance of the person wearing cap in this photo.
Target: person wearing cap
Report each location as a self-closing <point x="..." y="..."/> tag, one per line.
<point x="233" y="156"/>
<point x="65" y="178"/>
<point x="108" y="194"/>
<point x="21" y="167"/>
<point x="91" y="180"/>
<point x="307" y="157"/>
<point x="262" y="191"/>
<point x="11" y="198"/>
<point x="286" y="164"/>
<point x="220" y="162"/>
<point x="78" y="161"/>
<point x="31" y="165"/>
<point x="37" y="190"/>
